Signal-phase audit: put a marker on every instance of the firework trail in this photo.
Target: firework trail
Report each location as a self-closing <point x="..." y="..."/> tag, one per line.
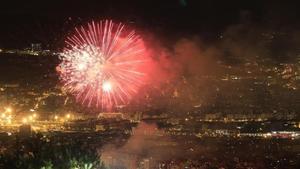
<point x="102" y="64"/>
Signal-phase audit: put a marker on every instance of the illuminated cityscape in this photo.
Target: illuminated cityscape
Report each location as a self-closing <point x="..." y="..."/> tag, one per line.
<point x="150" y="85"/>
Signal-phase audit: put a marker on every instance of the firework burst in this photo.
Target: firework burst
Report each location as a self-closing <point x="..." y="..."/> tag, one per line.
<point x="102" y="64"/>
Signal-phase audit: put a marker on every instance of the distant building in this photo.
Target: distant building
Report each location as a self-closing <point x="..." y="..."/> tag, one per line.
<point x="36" y="47"/>
<point x="108" y="160"/>
<point x="111" y="115"/>
<point x="12" y="85"/>
<point x="145" y="164"/>
<point x="100" y="127"/>
<point x="137" y="116"/>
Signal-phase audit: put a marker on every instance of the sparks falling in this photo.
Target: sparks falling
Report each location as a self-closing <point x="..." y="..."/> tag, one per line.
<point x="102" y="64"/>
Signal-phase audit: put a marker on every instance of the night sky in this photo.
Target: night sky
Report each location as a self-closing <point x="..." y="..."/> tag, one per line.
<point x="23" y="22"/>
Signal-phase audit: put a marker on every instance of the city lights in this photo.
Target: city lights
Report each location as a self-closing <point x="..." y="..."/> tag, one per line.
<point x="24" y="120"/>
<point x="68" y="116"/>
<point x="8" y="109"/>
<point x="30" y="118"/>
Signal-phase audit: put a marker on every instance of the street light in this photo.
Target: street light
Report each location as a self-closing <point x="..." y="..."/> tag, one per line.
<point x="30" y="118"/>
<point x="24" y="120"/>
<point x="8" y="109"/>
<point x="68" y="116"/>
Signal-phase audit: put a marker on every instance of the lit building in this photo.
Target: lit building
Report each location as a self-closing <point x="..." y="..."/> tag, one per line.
<point x="36" y="47"/>
<point x="111" y="115"/>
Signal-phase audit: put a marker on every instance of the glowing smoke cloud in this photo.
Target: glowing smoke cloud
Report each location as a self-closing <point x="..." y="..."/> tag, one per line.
<point x="101" y="64"/>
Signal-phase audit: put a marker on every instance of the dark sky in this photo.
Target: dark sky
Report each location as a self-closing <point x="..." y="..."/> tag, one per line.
<point x="23" y="22"/>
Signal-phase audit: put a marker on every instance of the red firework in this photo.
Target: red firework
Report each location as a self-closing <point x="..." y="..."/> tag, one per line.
<point x="102" y="64"/>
